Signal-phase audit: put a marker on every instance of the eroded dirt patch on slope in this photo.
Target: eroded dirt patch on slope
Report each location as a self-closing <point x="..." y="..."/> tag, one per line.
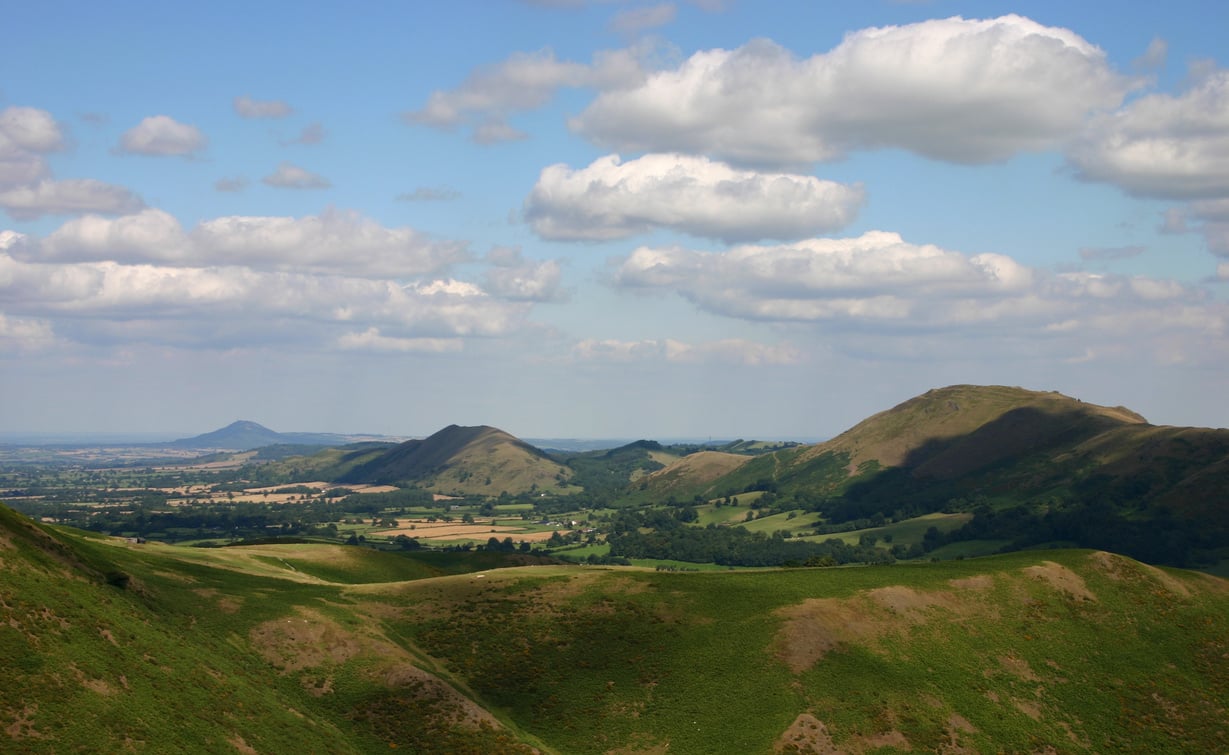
<point x="817" y="626"/>
<point x="807" y="734"/>
<point x="306" y="640"/>
<point x="1061" y="579"/>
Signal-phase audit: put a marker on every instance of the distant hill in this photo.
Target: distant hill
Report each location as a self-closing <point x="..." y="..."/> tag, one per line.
<point x="478" y="460"/>
<point x="244" y="435"/>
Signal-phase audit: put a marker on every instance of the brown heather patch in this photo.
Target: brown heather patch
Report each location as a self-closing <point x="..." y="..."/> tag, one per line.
<point x="430" y="689"/>
<point x="1061" y="579"/>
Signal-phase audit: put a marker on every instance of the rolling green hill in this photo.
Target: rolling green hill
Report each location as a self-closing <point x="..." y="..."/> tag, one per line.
<point x="111" y="646"/>
<point x="474" y="460"/>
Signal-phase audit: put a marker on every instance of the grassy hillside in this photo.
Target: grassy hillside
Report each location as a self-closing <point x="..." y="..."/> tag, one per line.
<point x="1033" y="467"/>
<point x="469" y="460"/>
<point x="109" y="646"/>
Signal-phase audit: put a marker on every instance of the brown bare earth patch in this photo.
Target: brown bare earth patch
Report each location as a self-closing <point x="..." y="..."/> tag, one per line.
<point x="1018" y="667"/>
<point x="907" y="602"/>
<point x="22" y="726"/>
<point x="816" y="626"/>
<point x="1062" y="579"/>
<point x="957" y="725"/>
<point x="807" y="734"/>
<point x="239" y="744"/>
<point x="304" y="641"/>
<point x="1029" y="709"/>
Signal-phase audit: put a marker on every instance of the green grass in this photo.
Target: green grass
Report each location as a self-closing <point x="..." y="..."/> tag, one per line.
<point x="710" y="514"/>
<point x="212" y="650"/>
<point x="802" y="522"/>
<point x="905" y="532"/>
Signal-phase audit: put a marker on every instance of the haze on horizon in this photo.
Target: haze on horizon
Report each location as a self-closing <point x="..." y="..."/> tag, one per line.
<point x="587" y="219"/>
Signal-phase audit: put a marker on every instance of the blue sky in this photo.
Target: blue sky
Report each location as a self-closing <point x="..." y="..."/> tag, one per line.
<point x="606" y="219"/>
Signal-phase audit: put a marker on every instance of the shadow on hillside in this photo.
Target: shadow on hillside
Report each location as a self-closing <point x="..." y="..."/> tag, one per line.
<point x="996" y="457"/>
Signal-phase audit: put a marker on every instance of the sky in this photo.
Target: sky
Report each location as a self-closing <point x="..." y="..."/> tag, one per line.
<point x="604" y="219"/>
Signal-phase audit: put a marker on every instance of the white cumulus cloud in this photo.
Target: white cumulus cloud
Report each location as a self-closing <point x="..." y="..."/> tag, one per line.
<point x="967" y="91"/>
<point x="161" y="135"/>
<point x="335" y="241"/>
<point x="223" y="306"/>
<point x="878" y="283"/>
<point x="612" y="199"/>
<point x="30" y="129"/>
<point x="1163" y="145"/>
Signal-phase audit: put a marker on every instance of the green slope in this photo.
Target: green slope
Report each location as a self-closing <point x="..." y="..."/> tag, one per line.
<point x="1063" y="469"/>
<point x="219" y="650"/>
<point x="477" y="460"/>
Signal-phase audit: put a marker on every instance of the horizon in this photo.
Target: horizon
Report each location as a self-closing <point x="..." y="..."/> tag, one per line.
<point x="600" y="220"/>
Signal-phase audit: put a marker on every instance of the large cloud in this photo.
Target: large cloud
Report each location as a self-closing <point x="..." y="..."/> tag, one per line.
<point x="968" y="91"/>
<point x="1161" y="145"/>
<point x="161" y="135"/>
<point x="338" y="280"/>
<point x="222" y="306"/>
<point x="334" y="241"/>
<point x="880" y="284"/>
<point x="611" y="199"/>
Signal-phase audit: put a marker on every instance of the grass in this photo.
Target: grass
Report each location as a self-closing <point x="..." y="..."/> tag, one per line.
<point x="325" y="648"/>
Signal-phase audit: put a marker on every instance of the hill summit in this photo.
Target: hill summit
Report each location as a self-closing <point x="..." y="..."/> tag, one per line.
<point x="480" y="460"/>
<point x="947" y="431"/>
